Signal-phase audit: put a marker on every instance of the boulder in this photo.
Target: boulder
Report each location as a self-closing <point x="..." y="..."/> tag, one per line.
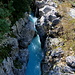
<point x="70" y="60"/>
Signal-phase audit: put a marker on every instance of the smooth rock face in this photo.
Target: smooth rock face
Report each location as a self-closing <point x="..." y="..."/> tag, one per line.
<point x="70" y="60"/>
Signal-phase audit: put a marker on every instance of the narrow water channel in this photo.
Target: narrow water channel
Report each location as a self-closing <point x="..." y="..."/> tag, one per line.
<point x="35" y="54"/>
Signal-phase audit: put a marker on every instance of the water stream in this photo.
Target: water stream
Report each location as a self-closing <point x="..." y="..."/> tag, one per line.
<point x="35" y="54"/>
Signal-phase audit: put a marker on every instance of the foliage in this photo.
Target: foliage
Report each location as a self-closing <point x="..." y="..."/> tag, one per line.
<point x="18" y="64"/>
<point x="21" y="6"/>
<point x="10" y="11"/>
<point x="5" y="13"/>
<point x="4" y="52"/>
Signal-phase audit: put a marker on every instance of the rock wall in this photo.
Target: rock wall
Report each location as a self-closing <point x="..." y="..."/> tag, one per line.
<point x="15" y="63"/>
<point x="54" y="62"/>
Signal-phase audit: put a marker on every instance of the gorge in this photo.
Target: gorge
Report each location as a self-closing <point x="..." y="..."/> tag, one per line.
<point x="42" y="42"/>
<point x="35" y="53"/>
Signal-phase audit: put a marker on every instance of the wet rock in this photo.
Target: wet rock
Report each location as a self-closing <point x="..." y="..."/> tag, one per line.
<point x="70" y="60"/>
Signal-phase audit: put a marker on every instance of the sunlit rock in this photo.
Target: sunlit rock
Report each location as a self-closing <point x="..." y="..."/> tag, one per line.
<point x="72" y="12"/>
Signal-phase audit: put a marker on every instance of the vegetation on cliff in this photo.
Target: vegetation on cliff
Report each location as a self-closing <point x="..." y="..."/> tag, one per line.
<point x="10" y="11"/>
<point x="68" y="24"/>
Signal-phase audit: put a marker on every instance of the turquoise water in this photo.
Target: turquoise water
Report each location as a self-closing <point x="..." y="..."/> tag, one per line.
<point x="32" y="19"/>
<point x="35" y="53"/>
<point x="35" y="57"/>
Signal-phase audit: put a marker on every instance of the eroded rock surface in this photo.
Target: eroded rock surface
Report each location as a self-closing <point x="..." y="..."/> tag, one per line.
<point x="16" y="61"/>
<point x="54" y="62"/>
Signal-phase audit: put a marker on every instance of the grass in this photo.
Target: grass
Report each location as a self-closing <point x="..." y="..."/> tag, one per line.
<point x="68" y="24"/>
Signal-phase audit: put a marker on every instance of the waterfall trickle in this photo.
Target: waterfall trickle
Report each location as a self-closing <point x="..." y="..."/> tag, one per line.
<point x="35" y="54"/>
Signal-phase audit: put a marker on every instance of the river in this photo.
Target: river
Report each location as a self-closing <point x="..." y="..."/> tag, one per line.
<point x="35" y="53"/>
